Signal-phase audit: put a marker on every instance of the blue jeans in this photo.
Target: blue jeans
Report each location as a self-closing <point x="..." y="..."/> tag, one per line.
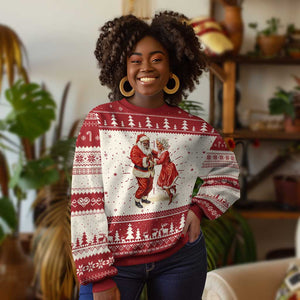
<point x="180" y="276"/>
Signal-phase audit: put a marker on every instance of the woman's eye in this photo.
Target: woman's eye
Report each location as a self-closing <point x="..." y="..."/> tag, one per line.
<point x="156" y="60"/>
<point x="135" y="61"/>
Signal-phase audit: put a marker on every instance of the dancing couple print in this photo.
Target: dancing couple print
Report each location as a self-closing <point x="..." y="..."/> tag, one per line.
<point x="145" y="159"/>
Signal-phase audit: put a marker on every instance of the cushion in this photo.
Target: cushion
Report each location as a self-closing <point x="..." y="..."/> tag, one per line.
<point x="290" y="286"/>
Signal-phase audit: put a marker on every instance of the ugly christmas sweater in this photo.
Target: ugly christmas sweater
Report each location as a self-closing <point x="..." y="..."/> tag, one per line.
<point x="130" y="200"/>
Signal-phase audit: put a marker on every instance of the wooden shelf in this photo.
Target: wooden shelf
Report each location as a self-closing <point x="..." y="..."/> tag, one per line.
<point x="267" y="210"/>
<point x="246" y="59"/>
<point x="263" y="135"/>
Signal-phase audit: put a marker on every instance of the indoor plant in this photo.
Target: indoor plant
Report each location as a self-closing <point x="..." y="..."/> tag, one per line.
<point x="268" y="40"/>
<point x="27" y="101"/>
<point x="32" y="113"/>
<point x="293" y="44"/>
<point x="287" y="103"/>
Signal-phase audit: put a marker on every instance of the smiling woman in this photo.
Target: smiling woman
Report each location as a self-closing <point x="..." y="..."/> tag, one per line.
<point x="135" y="221"/>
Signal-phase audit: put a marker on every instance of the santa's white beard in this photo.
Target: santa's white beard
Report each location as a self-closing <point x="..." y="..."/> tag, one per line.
<point x="144" y="150"/>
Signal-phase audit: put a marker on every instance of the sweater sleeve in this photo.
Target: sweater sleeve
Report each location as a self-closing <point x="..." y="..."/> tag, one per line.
<point x="220" y="189"/>
<point x="89" y="227"/>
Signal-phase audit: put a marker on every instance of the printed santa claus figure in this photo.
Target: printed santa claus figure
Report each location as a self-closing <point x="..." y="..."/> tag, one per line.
<point x="142" y="157"/>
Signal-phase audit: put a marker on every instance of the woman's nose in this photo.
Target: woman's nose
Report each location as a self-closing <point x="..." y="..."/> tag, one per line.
<point x="146" y="67"/>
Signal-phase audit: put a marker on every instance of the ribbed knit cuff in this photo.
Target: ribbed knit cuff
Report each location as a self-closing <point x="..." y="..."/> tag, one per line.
<point x="103" y="285"/>
<point x="196" y="210"/>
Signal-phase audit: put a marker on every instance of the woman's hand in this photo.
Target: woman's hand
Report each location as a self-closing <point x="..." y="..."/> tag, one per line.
<point x="192" y="226"/>
<point x="111" y="294"/>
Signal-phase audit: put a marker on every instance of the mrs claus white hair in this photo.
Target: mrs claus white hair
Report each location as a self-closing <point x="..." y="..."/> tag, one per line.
<point x="164" y="142"/>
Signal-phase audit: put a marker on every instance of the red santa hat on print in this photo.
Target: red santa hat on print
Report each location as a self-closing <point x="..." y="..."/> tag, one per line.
<point x="141" y="137"/>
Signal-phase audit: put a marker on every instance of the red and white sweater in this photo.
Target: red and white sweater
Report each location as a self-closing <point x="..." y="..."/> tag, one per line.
<point x="108" y="229"/>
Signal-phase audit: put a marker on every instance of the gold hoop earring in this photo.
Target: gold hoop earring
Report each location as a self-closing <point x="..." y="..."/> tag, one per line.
<point x="176" y="86"/>
<point x="122" y="90"/>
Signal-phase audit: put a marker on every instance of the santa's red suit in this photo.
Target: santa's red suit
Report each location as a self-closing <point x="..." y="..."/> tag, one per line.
<point x="143" y="168"/>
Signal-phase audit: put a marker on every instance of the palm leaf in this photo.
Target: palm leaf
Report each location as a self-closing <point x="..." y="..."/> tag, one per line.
<point x="192" y="107"/>
<point x="52" y="248"/>
<point x="228" y="239"/>
<point x="11" y="50"/>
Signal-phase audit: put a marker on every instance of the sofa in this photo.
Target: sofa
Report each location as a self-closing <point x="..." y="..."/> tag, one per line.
<point x="250" y="281"/>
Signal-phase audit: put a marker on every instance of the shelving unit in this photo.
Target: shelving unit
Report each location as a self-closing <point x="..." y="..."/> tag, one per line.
<point x="268" y="210"/>
<point x="224" y="68"/>
<point x="262" y="135"/>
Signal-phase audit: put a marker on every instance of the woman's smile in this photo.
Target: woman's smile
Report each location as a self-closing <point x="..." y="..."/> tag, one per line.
<point x="146" y="80"/>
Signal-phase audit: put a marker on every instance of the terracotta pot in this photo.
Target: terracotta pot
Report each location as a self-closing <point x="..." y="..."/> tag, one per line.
<point x="233" y="24"/>
<point x="287" y="190"/>
<point x="291" y="125"/>
<point x="16" y="271"/>
<point x="270" y="45"/>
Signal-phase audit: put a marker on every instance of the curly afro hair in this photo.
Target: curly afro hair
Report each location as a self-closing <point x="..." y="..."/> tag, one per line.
<point x="118" y="38"/>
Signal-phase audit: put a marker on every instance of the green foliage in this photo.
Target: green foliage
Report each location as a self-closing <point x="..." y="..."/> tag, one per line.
<point x="29" y="102"/>
<point x="32" y="112"/>
<point x="62" y="153"/>
<point x="192" y="107"/>
<point x="272" y="27"/>
<point x="229" y="240"/>
<point x="38" y="173"/>
<point x="282" y="103"/>
<point x="291" y="28"/>
<point x="7" y="215"/>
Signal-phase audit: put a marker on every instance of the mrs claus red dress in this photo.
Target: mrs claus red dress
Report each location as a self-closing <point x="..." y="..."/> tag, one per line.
<point x="168" y="173"/>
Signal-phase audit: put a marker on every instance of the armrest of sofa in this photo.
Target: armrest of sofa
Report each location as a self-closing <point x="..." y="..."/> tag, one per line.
<point x="259" y="280"/>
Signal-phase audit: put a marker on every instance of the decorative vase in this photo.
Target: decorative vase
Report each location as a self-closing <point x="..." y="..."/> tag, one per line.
<point x="270" y="45"/>
<point x="233" y="24"/>
<point x="287" y="188"/>
<point x="16" y="271"/>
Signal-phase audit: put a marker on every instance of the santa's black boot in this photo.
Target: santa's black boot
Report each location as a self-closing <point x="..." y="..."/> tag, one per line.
<point x="138" y="204"/>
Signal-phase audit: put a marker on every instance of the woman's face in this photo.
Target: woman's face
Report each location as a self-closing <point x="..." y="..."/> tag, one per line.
<point x="148" y="68"/>
<point x="159" y="146"/>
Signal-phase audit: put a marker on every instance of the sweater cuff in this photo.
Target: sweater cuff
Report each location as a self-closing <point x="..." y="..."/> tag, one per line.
<point x="196" y="210"/>
<point x="103" y="285"/>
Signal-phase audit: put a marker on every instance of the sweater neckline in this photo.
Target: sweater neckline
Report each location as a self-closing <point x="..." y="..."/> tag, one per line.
<point x="158" y="110"/>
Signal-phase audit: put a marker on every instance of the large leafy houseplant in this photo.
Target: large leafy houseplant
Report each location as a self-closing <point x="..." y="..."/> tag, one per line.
<point x="31" y="114"/>
<point x="46" y="170"/>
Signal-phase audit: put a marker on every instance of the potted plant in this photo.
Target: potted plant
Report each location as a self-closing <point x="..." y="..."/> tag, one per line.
<point x="293" y="44"/>
<point x="33" y="111"/>
<point x="287" y="103"/>
<point x="28" y="101"/>
<point x="268" y="40"/>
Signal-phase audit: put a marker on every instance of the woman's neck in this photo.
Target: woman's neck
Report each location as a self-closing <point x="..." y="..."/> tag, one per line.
<point x="147" y="101"/>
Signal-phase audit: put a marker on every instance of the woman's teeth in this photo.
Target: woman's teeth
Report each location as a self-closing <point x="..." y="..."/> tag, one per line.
<point x="147" y="79"/>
